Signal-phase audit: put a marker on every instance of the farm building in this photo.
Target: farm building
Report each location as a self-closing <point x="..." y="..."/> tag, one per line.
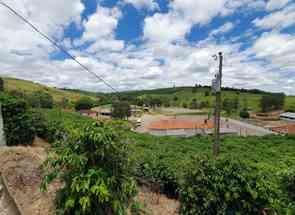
<point x="89" y="113"/>
<point x="285" y="129"/>
<point x="176" y="127"/>
<point x="103" y="111"/>
<point x="288" y="116"/>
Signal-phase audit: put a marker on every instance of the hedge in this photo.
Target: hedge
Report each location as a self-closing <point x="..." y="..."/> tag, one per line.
<point x="18" y="124"/>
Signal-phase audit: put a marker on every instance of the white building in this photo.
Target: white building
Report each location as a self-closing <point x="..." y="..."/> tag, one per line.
<point x="288" y="116"/>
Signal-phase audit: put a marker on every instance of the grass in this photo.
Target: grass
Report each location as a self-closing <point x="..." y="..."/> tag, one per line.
<point x="28" y="87"/>
<point x="185" y="95"/>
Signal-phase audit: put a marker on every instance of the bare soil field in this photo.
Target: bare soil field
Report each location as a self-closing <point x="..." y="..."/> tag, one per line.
<point x="20" y="169"/>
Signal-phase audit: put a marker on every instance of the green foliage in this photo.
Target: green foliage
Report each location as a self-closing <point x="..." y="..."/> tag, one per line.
<point x="18" y="124"/>
<point x="288" y="183"/>
<point x="194" y="104"/>
<point x="1" y="84"/>
<point x="225" y="187"/>
<point x="93" y="163"/>
<point x="184" y="105"/>
<point x="84" y="103"/>
<point x="137" y="208"/>
<point x="229" y="105"/>
<point x="41" y="99"/>
<point x="165" y="161"/>
<point x="121" y="110"/>
<point x="50" y="130"/>
<point x="244" y="114"/>
<point x="271" y="102"/>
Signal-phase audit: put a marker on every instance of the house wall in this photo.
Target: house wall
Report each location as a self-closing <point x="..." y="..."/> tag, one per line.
<point x="178" y="132"/>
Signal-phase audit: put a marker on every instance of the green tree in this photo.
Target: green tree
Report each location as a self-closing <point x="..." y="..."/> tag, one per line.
<point x="1" y="84"/>
<point x="194" y="104"/>
<point x="95" y="169"/>
<point x="84" y="103"/>
<point x="270" y="102"/>
<point x="121" y="110"/>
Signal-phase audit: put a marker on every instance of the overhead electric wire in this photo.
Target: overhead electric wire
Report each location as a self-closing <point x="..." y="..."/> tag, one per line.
<point x="57" y="46"/>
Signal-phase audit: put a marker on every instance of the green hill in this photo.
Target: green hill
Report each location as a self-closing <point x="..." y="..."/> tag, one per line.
<point x="181" y="96"/>
<point x="27" y="87"/>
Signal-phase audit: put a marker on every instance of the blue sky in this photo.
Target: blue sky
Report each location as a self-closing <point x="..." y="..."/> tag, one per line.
<point x="144" y="44"/>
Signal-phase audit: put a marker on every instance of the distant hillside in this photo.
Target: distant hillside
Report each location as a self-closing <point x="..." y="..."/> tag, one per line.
<point x="180" y="96"/>
<point x="27" y="87"/>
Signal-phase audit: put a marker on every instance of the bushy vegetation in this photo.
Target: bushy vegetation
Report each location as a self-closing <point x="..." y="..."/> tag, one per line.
<point x="121" y="110"/>
<point x="274" y="101"/>
<point x="226" y="187"/>
<point x="244" y="114"/>
<point x="166" y="161"/>
<point x="288" y="182"/>
<point x="18" y="121"/>
<point x="85" y="103"/>
<point x="40" y="99"/>
<point x="1" y="84"/>
<point x="96" y="171"/>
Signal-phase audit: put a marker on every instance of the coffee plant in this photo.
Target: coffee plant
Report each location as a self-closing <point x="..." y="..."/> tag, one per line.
<point x="18" y="123"/>
<point x="93" y="164"/>
<point x="225" y="187"/>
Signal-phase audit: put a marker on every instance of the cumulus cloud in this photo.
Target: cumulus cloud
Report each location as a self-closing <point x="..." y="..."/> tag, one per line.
<point x="165" y="28"/>
<point x="277" y="20"/>
<point x="276" y="4"/>
<point x="161" y="58"/>
<point x="143" y="4"/>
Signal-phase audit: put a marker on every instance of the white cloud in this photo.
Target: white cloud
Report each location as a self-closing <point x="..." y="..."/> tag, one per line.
<point x="165" y="28"/>
<point x="277" y="20"/>
<point x="198" y="12"/>
<point x="277" y="48"/>
<point x="101" y="24"/>
<point x="276" y="4"/>
<point x="143" y="4"/>
<point x="223" y="29"/>
<point x="162" y="58"/>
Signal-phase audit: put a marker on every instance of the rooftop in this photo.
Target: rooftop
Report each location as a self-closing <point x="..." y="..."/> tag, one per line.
<point x="289" y="129"/>
<point x="180" y="124"/>
<point x="288" y="114"/>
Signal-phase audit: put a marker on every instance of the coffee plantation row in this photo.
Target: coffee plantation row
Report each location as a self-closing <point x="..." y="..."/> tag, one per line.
<point x="251" y="174"/>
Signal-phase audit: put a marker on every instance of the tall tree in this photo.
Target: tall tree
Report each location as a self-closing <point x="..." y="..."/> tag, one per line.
<point x="1" y="84"/>
<point x="121" y="110"/>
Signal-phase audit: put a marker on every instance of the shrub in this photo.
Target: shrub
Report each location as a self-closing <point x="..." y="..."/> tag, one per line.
<point x="244" y="114"/>
<point x="225" y="187"/>
<point x="1" y="84"/>
<point x="41" y="99"/>
<point x="84" y="103"/>
<point x="18" y="124"/>
<point x="288" y="183"/>
<point x="50" y="130"/>
<point x="121" y="110"/>
<point x="95" y="168"/>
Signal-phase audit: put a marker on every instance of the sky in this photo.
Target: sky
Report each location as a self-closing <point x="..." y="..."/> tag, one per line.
<point x="147" y="44"/>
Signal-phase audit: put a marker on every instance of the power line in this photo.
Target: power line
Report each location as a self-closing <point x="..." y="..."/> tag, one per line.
<point x="57" y="45"/>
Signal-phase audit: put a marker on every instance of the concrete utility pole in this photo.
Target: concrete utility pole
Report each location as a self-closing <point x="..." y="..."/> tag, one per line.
<point x="217" y="89"/>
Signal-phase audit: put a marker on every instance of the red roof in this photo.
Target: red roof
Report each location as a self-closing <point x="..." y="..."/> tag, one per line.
<point x="180" y="124"/>
<point x="289" y="129"/>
